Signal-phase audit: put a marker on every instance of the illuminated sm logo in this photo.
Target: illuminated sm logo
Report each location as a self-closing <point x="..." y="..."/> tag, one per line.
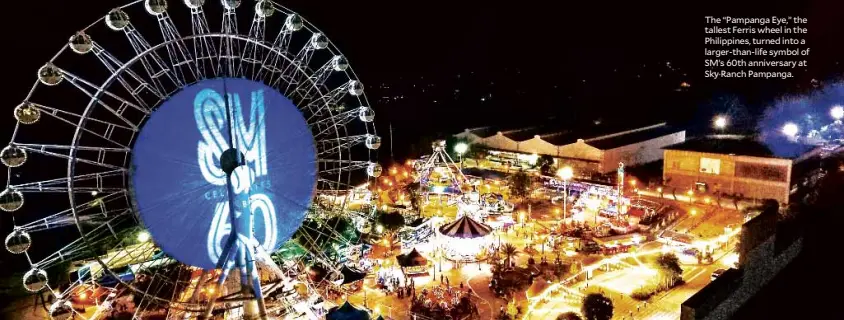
<point x="250" y="140"/>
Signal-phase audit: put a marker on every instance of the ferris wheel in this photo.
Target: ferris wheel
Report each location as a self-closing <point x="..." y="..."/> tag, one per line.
<point x="186" y="153"/>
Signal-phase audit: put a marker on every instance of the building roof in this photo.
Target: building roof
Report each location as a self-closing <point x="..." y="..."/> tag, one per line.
<point x="643" y="134"/>
<point x="744" y="146"/>
<point x="524" y="134"/>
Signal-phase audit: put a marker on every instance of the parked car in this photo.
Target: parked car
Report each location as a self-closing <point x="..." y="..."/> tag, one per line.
<point x="717" y="273"/>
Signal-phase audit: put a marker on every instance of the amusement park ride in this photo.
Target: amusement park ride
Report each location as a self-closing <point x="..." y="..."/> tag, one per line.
<point x="438" y="174"/>
<point x="188" y="161"/>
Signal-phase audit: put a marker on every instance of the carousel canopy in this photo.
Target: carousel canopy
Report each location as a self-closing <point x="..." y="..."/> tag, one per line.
<point x="466" y="228"/>
<point x="411" y="259"/>
<point x="351" y="275"/>
<point x="347" y="312"/>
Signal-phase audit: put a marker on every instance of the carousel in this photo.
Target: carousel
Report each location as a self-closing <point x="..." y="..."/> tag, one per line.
<point x="465" y="239"/>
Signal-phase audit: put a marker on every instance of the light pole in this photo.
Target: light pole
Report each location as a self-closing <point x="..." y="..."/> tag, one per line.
<point x="461" y="148"/>
<point x="565" y="173"/>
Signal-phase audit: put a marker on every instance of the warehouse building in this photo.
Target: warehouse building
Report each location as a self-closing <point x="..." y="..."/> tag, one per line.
<point x="590" y="150"/>
<point x="734" y="165"/>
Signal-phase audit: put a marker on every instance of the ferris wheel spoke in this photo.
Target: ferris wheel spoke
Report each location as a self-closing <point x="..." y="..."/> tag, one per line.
<point x="332" y="98"/>
<point x="271" y="63"/>
<point x="87" y="87"/>
<point x="205" y="52"/>
<point x="60" y="184"/>
<point x="250" y="58"/>
<point x="331" y="166"/>
<point x="302" y="61"/>
<point x="177" y="51"/>
<point x="326" y="184"/>
<point x="313" y="242"/>
<point x="130" y="254"/>
<point x="311" y="88"/>
<point x="137" y="86"/>
<point x="338" y="119"/>
<point x="78" y="249"/>
<point x="157" y="69"/>
<point x="229" y="47"/>
<point x="330" y="146"/>
<point x="90" y="212"/>
<point x="87" y="155"/>
<point x="105" y="129"/>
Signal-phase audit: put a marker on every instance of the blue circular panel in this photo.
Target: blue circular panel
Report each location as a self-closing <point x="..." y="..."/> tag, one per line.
<point x="180" y="188"/>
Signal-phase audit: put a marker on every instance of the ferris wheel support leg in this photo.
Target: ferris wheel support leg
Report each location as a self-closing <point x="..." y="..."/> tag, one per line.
<point x="213" y="300"/>
<point x="224" y="264"/>
<point x="255" y="280"/>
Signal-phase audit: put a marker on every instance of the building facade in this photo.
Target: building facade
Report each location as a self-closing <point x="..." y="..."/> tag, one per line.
<point x="595" y="151"/>
<point x="730" y="165"/>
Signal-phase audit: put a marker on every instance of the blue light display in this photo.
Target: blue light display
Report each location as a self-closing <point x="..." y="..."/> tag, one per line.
<point x="180" y="188"/>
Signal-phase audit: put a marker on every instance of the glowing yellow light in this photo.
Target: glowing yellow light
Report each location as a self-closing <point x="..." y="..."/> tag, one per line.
<point x="393" y="171"/>
<point x="731" y="259"/>
<point x="497" y="182"/>
<point x="565" y="173"/>
<point x="83" y="295"/>
<point x="707" y="200"/>
<point x="633" y="183"/>
<point x="659" y="190"/>
<point x="636" y="239"/>
<point x="690" y="193"/>
<point x="143" y="236"/>
<point x="693" y="212"/>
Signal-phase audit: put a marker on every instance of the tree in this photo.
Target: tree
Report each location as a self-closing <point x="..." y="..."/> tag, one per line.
<point x="392" y="222"/>
<point x="669" y="264"/>
<point x="412" y="190"/>
<point x="597" y="307"/>
<point x="519" y="184"/>
<point x="509" y="252"/>
<point x="568" y="316"/>
<point x="545" y="163"/>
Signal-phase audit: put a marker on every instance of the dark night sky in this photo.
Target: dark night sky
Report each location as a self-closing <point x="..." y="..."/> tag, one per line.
<point x="537" y="59"/>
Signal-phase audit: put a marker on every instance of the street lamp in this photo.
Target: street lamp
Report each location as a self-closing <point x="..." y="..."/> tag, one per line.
<point x="790" y="129"/>
<point x="461" y="148"/>
<point x="565" y="173"/>
<point x="720" y="122"/>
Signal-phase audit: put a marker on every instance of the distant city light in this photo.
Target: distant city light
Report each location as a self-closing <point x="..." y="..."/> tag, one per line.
<point x="720" y="122"/>
<point x="790" y="129"/>
<point x="837" y="112"/>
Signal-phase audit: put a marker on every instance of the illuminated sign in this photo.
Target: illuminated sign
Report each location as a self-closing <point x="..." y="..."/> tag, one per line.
<point x="180" y="187"/>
